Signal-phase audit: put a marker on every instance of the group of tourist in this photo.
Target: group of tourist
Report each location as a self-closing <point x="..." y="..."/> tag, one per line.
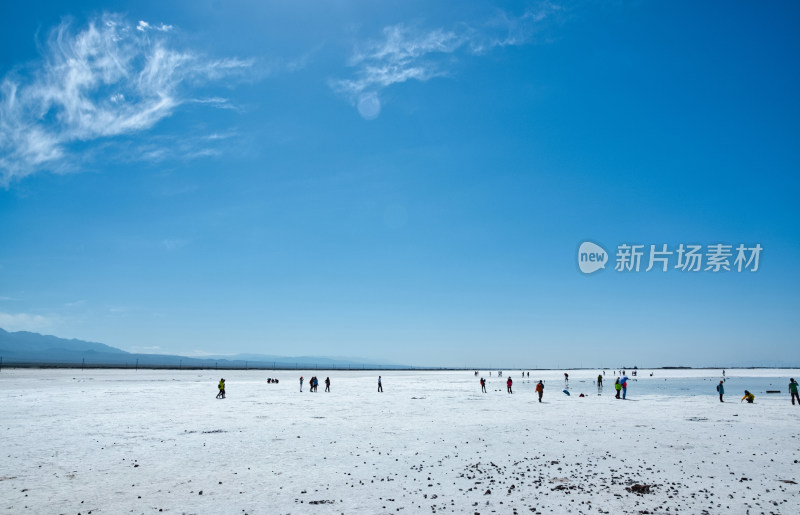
<point x="750" y="398"/>
<point x="313" y="384"/>
<point x="620" y="385"/>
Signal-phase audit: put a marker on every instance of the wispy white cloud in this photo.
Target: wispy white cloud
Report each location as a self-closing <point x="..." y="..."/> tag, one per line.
<point x="406" y="53"/>
<point x="218" y="102"/>
<point x="403" y="54"/>
<point x="25" y="322"/>
<point x="173" y="244"/>
<point x="106" y="80"/>
<point x="197" y="353"/>
<point x="151" y="349"/>
<point x="220" y="136"/>
<point x="143" y="26"/>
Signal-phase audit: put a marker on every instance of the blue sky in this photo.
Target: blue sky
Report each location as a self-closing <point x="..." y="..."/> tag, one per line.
<point x="401" y="181"/>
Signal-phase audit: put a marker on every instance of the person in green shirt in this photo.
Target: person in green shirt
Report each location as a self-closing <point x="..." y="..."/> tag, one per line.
<point x="793" y="390"/>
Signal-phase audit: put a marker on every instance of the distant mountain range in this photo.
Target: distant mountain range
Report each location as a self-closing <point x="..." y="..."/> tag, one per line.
<point x="25" y="348"/>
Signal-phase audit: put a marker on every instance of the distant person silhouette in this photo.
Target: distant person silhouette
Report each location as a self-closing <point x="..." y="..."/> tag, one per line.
<point x="793" y="390"/>
<point x="483" y="385"/>
<point x="380" y="385"/>
<point x="508" y="384"/>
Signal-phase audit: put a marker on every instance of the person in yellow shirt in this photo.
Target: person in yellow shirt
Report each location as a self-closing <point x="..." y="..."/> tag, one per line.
<point x="749" y="397"/>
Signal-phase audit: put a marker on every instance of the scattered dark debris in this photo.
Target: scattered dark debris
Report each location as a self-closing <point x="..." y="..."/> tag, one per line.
<point x="639" y="489"/>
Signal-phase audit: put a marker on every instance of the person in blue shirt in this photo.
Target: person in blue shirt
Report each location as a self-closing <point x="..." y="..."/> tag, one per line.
<point x="624" y="382"/>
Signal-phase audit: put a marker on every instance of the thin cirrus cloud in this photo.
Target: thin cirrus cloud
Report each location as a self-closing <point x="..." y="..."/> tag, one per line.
<point x="107" y="80"/>
<point x="405" y="53"/>
<point x="25" y="322"/>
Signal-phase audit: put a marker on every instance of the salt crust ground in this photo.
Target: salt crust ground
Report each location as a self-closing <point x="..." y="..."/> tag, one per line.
<point x="112" y="441"/>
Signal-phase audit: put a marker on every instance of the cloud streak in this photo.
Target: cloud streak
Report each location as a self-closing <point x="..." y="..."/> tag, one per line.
<point x="107" y="80"/>
<point x="25" y="322"/>
<point x="405" y="53"/>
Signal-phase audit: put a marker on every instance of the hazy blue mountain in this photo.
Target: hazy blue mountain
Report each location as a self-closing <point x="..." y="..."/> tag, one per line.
<point x="28" y="348"/>
<point x="24" y="342"/>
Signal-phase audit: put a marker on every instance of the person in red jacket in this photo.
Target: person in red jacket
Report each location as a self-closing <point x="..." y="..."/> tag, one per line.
<point x="483" y="385"/>
<point x="540" y="389"/>
<point x="508" y="384"/>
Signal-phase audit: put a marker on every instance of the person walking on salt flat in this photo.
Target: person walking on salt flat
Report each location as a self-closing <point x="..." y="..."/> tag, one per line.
<point x="793" y="390"/>
<point x="327" y="384"/>
<point x="380" y="385"/>
<point x="509" y="383"/>
<point x="483" y="385"/>
<point x="566" y="380"/>
<point x="721" y="390"/>
<point x="221" y="388"/>
<point x="617" y="387"/>
<point x="301" y="383"/>
<point x="540" y="389"/>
